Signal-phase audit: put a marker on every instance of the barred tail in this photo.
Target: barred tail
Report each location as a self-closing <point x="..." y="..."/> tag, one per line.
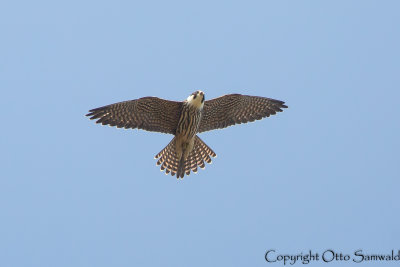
<point x="169" y="161"/>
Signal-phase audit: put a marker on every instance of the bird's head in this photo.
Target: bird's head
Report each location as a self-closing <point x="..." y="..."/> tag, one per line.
<point x="196" y="99"/>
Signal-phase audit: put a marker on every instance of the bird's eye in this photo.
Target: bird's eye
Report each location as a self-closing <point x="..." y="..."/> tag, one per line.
<point x="194" y="96"/>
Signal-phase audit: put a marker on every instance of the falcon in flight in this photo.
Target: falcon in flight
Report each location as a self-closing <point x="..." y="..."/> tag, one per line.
<point x="184" y="120"/>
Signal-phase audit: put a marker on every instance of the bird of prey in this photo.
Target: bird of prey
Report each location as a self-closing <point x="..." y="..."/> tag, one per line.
<point x="185" y="120"/>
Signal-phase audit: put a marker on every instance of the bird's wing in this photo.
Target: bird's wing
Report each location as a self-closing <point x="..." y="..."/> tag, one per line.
<point x="233" y="109"/>
<point x="148" y="113"/>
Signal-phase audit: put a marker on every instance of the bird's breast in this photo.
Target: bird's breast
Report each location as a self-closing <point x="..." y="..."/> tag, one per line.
<point x="189" y="122"/>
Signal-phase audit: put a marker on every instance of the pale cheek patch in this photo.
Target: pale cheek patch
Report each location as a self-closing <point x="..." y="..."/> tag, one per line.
<point x="196" y="103"/>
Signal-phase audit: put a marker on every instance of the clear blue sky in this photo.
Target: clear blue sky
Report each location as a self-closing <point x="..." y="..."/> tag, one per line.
<point x="323" y="174"/>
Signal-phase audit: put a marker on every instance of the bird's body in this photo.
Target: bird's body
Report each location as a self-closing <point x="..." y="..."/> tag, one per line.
<point x="184" y="142"/>
<point x="185" y="119"/>
<point x="188" y="124"/>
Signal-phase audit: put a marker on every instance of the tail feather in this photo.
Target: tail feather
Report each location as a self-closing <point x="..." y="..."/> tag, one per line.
<point x="193" y="162"/>
<point x="187" y="167"/>
<point x="169" y="161"/>
<point x="167" y="158"/>
<point x="198" y="159"/>
<point x="181" y="168"/>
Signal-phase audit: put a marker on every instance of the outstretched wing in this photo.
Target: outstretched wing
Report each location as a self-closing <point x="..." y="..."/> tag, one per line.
<point x="233" y="109"/>
<point x="147" y="113"/>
